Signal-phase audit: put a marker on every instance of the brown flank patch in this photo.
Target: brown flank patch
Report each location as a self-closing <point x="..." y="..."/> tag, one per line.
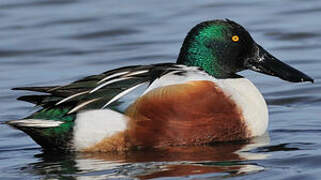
<point x="197" y="112"/>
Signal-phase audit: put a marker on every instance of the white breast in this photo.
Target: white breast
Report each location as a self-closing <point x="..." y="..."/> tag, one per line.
<point x="250" y="100"/>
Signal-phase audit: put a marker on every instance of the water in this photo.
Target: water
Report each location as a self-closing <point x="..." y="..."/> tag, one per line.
<point x="55" y="42"/>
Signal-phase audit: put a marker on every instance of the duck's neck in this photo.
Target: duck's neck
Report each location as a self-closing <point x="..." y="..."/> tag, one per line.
<point x="202" y="47"/>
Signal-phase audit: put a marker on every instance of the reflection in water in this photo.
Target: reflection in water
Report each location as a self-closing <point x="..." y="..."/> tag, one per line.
<point x="219" y="160"/>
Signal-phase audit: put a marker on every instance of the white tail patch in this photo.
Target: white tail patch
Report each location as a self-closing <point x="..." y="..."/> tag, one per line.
<point x="93" y="126"/>
<point x="38" y="123"/>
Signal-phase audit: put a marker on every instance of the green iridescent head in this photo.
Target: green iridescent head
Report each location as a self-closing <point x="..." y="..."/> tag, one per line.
<point x="223" y="48"/>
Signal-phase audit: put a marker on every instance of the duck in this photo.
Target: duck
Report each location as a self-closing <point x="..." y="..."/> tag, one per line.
<point x="198" y="100"/>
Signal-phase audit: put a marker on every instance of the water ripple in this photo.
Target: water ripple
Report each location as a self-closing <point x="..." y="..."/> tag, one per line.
<point x="35" y="3"/>
<point x="105" y="34"/>
<point x="292" y="36"/>
<point x="83" y="20"/>
<point x="302" y="11"/>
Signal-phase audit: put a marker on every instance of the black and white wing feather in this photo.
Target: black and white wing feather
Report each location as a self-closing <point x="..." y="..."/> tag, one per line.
<point x="102" y="90"/>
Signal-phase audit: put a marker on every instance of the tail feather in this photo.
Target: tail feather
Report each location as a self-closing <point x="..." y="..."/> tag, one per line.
<point x="50" y="134"/>
<point x="40" y="99"/>
<point x="36" y="89"/>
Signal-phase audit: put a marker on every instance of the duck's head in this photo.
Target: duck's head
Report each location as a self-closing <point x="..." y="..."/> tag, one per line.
<point x="223" y="48"/>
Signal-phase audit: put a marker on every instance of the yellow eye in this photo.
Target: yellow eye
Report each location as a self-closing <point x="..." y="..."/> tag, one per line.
<point x="235" y="38"/>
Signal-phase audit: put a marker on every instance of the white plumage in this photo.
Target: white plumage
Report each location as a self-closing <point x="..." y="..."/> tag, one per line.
<point x="94" y="125"/>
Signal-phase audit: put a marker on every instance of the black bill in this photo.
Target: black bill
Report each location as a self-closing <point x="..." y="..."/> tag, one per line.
<point x="263" y="62"/>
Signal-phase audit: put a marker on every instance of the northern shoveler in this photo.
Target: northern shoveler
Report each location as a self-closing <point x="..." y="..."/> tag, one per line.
<point x="197" y="100"/>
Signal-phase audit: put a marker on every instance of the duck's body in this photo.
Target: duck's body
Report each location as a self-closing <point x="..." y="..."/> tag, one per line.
<point x="199" y="100"/>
